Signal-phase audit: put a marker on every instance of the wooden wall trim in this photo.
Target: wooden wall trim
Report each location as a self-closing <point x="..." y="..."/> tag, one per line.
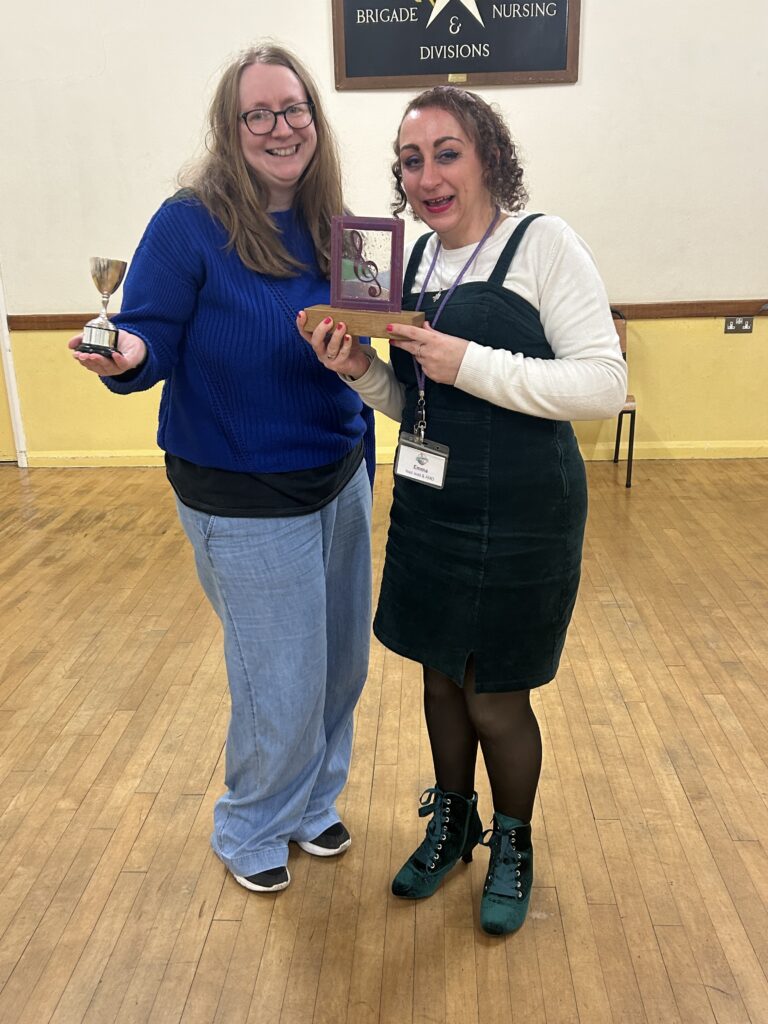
<point x="630" y="310"/>
<point x="49" y="321"/>
<point x="684" y="310"/>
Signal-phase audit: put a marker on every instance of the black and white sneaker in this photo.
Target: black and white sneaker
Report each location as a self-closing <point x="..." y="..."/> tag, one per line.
<point x="334" y="840"/>
<point x="265" y="881"/>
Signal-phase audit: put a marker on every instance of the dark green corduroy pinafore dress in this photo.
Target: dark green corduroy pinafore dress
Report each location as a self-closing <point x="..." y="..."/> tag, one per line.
<point x="488" y="566"/>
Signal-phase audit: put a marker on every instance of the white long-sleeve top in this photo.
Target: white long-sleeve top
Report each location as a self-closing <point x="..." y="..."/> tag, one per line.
<point x="555" y="271"/>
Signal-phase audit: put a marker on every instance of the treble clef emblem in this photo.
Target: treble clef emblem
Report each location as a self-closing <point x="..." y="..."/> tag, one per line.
<point x="365" y="270"/>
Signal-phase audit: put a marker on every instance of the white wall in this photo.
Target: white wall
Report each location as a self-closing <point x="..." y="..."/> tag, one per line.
<point x="657" y="155"/>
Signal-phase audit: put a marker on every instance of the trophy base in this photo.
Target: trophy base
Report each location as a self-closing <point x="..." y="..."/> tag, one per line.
<point x="98" y="339"/>
<point x="366" y="322"/>
<point x="98" y="350"/>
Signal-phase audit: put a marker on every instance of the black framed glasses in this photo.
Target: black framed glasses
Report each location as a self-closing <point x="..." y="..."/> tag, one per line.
<point x="262" y="121"/>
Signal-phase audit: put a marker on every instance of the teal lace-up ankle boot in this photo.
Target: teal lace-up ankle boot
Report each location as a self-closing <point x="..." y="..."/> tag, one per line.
<point x="507" y="890"/>
<point x="454" y="831"/>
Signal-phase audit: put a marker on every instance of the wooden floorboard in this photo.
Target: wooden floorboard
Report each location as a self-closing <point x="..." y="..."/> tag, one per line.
<point x="651" y="827"/>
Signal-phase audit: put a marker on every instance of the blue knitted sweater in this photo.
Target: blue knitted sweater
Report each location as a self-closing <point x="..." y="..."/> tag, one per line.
<point x="243" y="391"/>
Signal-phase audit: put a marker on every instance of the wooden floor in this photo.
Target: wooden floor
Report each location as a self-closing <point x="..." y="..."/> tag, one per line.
<point x="651" y="829"/>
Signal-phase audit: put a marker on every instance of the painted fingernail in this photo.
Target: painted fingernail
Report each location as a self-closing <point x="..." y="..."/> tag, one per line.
<point x="347" y="338"/>
<point x="328" y="320"/>
<point x="390" y="327"/>
<point x="339" y="327"/>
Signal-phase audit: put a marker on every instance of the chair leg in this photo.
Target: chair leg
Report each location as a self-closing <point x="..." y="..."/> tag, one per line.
<point x="618" y="436"/>
<point x="631" y="447"/>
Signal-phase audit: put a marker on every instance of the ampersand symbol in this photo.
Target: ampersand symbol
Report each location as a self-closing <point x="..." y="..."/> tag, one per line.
<point x="455" y="26"/>
<point x="365" y="270"/>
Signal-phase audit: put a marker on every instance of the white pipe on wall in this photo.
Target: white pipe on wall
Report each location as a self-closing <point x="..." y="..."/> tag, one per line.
<point x="10" y="382"/>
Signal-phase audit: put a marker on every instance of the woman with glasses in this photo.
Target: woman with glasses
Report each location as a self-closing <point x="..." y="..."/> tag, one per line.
<point x="271" y="459"/>
<point x="484" y="549"/>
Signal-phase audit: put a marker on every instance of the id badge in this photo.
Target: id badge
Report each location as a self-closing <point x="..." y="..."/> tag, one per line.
<point x="422" y="461"/>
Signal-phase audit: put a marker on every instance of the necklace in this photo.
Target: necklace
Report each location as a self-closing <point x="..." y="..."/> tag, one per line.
<point x="436" y="295"/>
<point x="439" y="254"/>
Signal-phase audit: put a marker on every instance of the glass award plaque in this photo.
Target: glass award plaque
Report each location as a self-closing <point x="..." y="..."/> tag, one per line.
<point x="366" y="277"/>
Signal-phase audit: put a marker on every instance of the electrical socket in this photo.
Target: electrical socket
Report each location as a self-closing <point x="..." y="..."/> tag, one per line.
<point x="738" y="325"/>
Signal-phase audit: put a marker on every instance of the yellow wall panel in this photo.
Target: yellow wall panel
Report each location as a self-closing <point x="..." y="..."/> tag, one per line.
<point x="386" y="429"/>
<point x="7" y="446"/>
<point x="700" y="394"/>
<point x="69" y="416"/>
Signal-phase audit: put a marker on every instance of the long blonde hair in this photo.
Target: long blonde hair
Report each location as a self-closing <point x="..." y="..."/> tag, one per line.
<point x="231" y="190"/>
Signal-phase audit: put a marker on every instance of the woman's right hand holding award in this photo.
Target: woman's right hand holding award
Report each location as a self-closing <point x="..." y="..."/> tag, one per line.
<point x="130" y="353"/>
<point x="335" y="347"/>
<point x="103" y="348"/>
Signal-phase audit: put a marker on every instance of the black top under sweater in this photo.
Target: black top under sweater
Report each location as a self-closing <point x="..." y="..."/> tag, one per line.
<point x="221" y="492"/>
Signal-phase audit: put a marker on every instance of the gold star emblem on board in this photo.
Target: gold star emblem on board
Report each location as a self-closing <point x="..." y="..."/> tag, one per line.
<point x="439" y="5"/>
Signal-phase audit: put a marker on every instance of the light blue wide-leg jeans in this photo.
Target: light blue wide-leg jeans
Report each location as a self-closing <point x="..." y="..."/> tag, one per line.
<point x="294" y="599"/>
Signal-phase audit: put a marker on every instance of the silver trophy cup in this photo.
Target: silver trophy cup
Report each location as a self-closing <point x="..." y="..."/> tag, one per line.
<point x="100" y="334"/>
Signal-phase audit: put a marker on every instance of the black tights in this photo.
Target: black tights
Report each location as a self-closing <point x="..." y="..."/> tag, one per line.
<point x="503" y="724"/>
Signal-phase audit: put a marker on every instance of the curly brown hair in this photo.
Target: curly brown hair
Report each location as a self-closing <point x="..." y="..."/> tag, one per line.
<point x="236" y="196"/>
<point x="503" y="174"/>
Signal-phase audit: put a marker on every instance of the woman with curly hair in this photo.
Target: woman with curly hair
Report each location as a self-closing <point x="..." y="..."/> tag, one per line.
<point x="267" y="453"/>
<point x="484" y="549"/>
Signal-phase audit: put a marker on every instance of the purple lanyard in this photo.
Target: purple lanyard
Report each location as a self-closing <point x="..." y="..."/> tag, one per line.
<point x="421" y="379"/>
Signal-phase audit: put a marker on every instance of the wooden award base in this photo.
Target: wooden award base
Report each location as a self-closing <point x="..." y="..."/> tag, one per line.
<point x="366" y="322"/>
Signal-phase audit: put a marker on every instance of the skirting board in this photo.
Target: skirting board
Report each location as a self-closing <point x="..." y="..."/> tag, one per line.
<point x="603" y="451"/>
<point x="677" y="450"/>
<point x="79" y="459"/>
<point x="385" y="454"/>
